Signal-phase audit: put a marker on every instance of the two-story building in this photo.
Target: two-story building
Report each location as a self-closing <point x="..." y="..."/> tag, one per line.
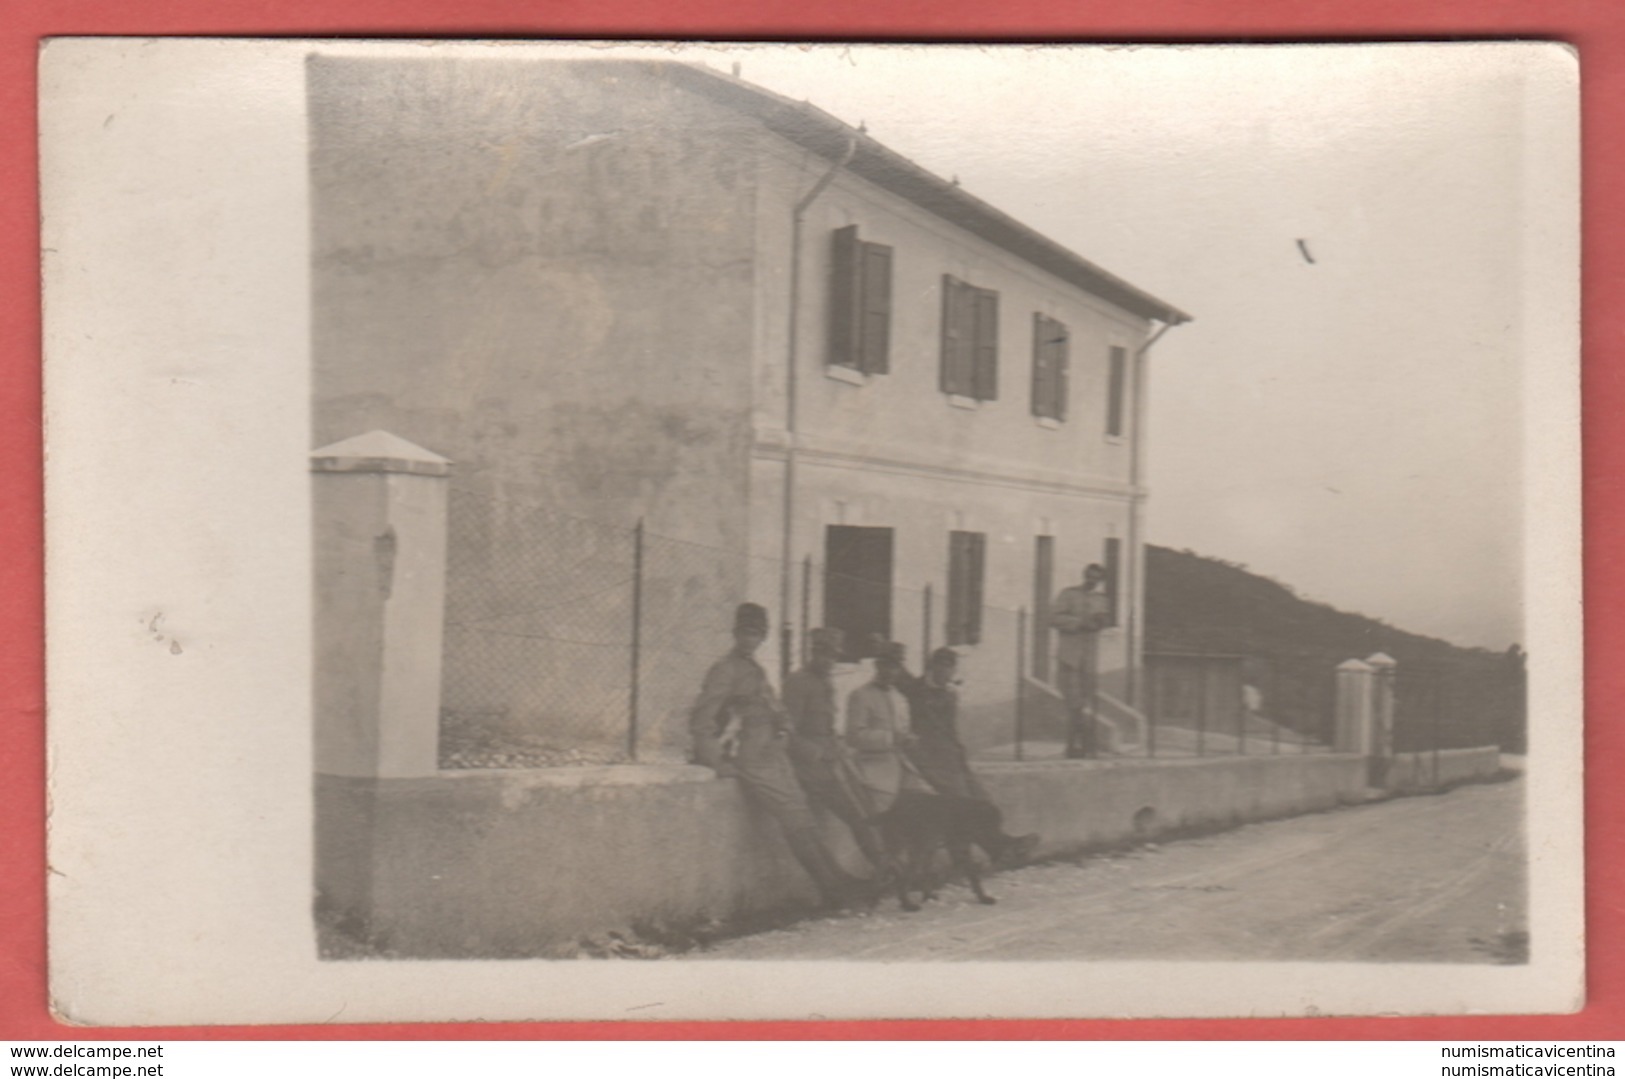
<point x="822" y="378"/>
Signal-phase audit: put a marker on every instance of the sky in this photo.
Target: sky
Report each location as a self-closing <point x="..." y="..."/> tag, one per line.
<point x="1349" y="426"/>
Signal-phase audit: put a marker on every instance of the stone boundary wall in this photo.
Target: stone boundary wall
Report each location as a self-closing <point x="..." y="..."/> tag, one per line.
<point x="1449" y="767"/>
<point x="524" y="863"/>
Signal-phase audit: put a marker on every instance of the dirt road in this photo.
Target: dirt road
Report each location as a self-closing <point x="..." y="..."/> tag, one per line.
<point x="1425" y="879"/>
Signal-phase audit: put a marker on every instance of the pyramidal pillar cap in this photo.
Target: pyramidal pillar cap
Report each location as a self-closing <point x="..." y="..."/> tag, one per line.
<point x="1357" y="665"/>
<point x="379" y="451"/>
<point x="1381" y="659"/>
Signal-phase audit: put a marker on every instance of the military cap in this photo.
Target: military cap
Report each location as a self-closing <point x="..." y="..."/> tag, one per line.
<point x="890" y="652"/>
<point x="825" y="637"/>
<point x="750" y="616"/>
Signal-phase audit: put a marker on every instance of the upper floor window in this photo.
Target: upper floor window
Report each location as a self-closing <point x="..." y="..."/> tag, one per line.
<point x="859" y="303"/>
<point x="1117" y="391"/>
<point x="1050" y="358"/>
<point x="970" y="340"/>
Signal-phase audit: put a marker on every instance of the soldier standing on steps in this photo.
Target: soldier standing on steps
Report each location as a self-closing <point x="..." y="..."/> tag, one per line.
<point x="737" y="702"/>
<point x="1079" y="614"/>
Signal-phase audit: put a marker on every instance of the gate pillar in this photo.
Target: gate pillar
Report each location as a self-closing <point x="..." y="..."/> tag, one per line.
<point x="380" y="568"/>
<point x="1355" y="702"/>
<point x="1382" y="715"/>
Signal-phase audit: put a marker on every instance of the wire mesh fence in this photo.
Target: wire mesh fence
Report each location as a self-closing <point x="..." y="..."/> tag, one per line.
<point x="688" y="595"/>
<point x="570" y="641"/>
<point x="1204" y="704"/>
<point x="536" y="651"/>
<point x="1455" y="706"/>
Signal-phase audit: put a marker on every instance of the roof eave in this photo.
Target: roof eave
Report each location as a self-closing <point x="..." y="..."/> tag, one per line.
<point x="823" y="134"/>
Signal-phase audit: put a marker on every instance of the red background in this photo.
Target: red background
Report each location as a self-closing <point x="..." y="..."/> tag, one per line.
<point x="1596" y="27"/>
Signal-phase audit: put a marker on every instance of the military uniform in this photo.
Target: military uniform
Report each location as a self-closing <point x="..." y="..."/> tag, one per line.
<point x="876" y="730"/>
<point x="936" y="751"/>
<point x="822" y="766"/>
<point x="938" y="755"/>
<point x="1079" y="614"/>
<point x="737" y="705"/>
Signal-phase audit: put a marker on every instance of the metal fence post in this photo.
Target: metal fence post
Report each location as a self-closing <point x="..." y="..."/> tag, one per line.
<point x="1091" y="729"/>
<point x="806" y="606"/>
<point x="1275" y="724"/>
<point x="1201" y="710"/>
<point x="1241" y="726"/>
<point x="637" y="642"/>
<point x="1021" y="666"/>
<point x="925" y="627"/>
<point x="1438" y="706"/>
<point x="1153" y="704"/>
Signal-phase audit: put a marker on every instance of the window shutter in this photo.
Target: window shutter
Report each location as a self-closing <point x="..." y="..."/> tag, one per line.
<point x="1060" y="362"/>
<point x="1114" y="392"/>
<point x="1041" y="371"/>
<point x="1043" y="593"/>
<point x="956" y="336"/>
<point x="845" y="322"/>
<point x="973" y="614"/>
<point x="956" y="587"/>
<point x="966" y="555"/>
<point x="874" y="334"/>
<point x="1049" y="367"/>
<point x="986" y="355"/>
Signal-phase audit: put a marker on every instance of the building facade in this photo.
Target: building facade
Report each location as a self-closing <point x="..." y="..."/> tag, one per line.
<point x="669" y="325"/>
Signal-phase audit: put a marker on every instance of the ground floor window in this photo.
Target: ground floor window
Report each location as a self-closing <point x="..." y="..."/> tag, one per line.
<point x="858" y="587"/>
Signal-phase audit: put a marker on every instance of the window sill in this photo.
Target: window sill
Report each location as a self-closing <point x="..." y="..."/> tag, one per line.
<point x="959" y="401"/>
<point x="1048" y="423"/>
<point x="849" y="375"/>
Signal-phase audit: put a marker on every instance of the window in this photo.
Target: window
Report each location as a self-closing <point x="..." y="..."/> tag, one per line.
<point x="857" y="586"/>
<point x="966" y="554"/>
<point x="1043" y="590"/>
<point x="859" y="303"/>
<point x="1050" y="343"/>
<point x="970" y="340"/>
<point x="1116" y="390"/>
<point x="1112" y="560"/>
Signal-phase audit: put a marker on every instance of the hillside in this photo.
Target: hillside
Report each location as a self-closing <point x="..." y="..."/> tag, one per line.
<point x="1445" y="693"/>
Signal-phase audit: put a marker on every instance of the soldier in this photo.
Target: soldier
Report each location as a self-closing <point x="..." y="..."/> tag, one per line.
<point x="877" y="732"/>
<point x="937" y="754"/>
<point x="820" y="762"/>
<point x="1079" y="614"/>
<point x="736" y="701"/>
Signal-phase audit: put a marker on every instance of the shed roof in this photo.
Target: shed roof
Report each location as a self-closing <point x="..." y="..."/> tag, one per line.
<point x="823" y="134"/>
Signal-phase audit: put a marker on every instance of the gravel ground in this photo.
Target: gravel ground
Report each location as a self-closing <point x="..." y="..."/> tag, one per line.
<point x="1437" y="878"/>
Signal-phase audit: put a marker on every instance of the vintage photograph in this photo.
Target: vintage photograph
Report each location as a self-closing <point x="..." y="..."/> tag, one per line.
<point x="724" y="520"/>
<point x="838" y="511"/>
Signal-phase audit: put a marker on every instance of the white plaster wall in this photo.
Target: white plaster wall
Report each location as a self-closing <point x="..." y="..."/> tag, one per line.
<point x="893" y="451"/>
